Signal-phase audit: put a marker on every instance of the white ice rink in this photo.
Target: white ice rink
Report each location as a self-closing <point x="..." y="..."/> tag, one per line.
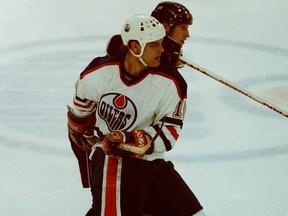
<point x="233" y="152"/>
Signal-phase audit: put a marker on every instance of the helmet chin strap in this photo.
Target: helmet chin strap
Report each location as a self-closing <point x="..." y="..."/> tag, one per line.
<point x="172" y="39"/>
<point x="139" y="56"/>
<point x="142" y="61"/>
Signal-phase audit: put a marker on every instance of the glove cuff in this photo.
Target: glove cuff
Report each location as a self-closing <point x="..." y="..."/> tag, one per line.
<point x="80" y="125"/>
<point x="139" y="137"/>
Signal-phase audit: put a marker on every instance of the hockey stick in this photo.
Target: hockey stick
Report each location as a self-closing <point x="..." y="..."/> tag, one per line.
<point x="134" y="149"/>
<point x="233" y="86"/>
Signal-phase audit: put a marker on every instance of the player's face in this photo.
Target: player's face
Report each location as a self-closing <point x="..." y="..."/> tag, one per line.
<point x="180" y="33"/>
<point x="152" y="53"/>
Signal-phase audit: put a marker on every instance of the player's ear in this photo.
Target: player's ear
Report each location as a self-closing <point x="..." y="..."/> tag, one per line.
<point x="135" y="47"/>
<point x="167" y="27"/>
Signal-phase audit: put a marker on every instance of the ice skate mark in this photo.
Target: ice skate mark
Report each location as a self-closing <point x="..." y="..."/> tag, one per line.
<point x="18" y="48"/>
<point x="281" y="51"/>
<point x="29" y="142"/>
<point x="23" y="146"/>
<point x="35" y="50"/>
<point x="233" y="156"/>
<point x="30" y="145"/>
<point x="22" y="47"/>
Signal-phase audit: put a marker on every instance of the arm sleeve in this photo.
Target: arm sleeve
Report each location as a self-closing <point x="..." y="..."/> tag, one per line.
<point x="84" y="104"/>
<point x="167" y="129"/>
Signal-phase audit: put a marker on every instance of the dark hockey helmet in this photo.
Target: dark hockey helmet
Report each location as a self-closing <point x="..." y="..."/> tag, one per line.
<point x="173" y="13"/>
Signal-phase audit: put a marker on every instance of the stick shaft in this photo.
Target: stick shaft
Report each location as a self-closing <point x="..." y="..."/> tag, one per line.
<point x="236" y="88"/>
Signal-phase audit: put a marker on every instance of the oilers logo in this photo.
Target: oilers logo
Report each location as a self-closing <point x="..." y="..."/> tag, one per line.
<point x="117" y="110"/>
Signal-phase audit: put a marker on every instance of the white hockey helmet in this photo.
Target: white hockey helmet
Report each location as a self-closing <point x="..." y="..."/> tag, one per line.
<point x="142" y="28"/>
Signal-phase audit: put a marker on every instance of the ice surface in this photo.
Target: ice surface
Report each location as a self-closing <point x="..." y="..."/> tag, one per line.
<point x="233" y="152"/>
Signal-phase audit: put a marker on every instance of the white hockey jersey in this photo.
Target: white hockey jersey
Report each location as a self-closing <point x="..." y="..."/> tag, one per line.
<point x="124" y="103"/>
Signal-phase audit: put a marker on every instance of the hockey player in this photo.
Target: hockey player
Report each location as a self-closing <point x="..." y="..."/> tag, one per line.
<point x="136" y="106"/>
<point x="176" y="19"/>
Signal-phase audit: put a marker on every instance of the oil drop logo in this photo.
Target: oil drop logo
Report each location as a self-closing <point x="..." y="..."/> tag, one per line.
<point x="117" y="110"/>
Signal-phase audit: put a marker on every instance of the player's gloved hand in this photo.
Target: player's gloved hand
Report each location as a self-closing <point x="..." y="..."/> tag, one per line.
<point x="81" y="133"/>
<point x="88" y="139"/>
<point x="127" y="144"/>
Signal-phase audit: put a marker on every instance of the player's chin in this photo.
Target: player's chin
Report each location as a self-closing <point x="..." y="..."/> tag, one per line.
<point x="156" y="62"/>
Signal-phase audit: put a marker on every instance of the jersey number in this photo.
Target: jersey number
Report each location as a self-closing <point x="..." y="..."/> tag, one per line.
<point x="179" y="110"/>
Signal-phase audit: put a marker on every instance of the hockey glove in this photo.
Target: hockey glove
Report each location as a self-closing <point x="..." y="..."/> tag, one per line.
<point x="81" y="132"/>
<point x="127" y="144"/>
